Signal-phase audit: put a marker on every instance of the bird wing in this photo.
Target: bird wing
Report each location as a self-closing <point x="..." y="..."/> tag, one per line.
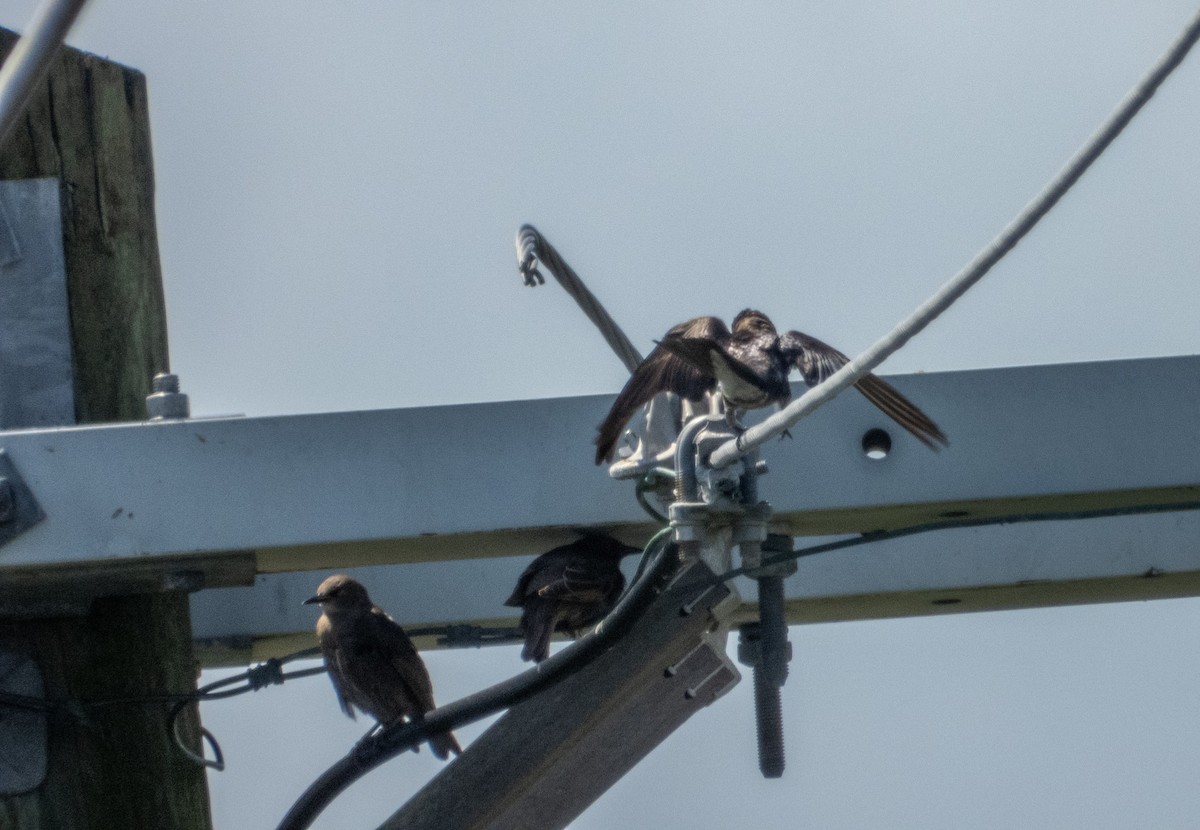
<point x="584" y="581"/>
<point x="661" y="371"/>
<point x="817" y="361"/>
<point x="415" y="688"/>
<point x="333" y="664"/>
<point x="404" y="660"/>
<point x="517" y="598"/>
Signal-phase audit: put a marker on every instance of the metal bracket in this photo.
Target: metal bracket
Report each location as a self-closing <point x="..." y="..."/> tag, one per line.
<point x="37" y="387"/>
<point x="19" y="510"/>
<point x="23" y="730"/>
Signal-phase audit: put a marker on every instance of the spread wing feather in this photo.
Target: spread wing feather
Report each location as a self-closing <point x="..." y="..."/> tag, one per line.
<point x="661" y="371"/>
<point x="817" y="361"/>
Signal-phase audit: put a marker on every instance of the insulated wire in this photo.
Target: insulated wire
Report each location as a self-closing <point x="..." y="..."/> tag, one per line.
<point x="30" y="58"/>
<point x="925" y="314"/>
<point x="532" y="247"/>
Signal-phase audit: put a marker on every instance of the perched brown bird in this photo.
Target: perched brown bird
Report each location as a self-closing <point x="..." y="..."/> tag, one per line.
<point x="568" y="588"/>
<point x="371" y="661"/>
<point x="749" y="366"/>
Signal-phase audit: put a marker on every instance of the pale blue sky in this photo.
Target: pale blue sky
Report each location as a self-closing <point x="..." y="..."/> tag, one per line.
<point x="338" y="188"/>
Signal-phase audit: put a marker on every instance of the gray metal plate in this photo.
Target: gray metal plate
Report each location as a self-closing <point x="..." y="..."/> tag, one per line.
<point x="36" y="378"/>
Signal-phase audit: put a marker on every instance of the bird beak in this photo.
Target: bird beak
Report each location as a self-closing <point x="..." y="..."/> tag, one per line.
<point x="313" y="600"/>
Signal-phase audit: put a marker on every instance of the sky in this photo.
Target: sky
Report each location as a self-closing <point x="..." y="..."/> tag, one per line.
<point x="338" y="186"/>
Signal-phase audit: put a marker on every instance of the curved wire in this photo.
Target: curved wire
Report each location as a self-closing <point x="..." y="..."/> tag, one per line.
<point x="647" y="555"/>
<point x="218" y="762"/>
<point x="532" y="247"/>
<point x="647" y="483"/>
<point x="254" y="678"/>
<point x="1016" y="230"/>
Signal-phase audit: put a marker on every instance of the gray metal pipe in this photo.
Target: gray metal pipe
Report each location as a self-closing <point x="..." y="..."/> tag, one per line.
<point x="30" y="59"/>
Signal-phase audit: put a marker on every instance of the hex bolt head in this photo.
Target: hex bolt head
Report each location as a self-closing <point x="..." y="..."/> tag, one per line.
<point x="166" y="402"/>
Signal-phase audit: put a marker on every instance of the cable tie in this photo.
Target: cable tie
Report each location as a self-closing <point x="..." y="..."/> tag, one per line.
<point x="265" y="674"/>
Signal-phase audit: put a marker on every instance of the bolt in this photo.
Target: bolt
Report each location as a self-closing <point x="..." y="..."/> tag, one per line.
<point x="166" y="401"/>
<point x="7" y="501"/>
<point x="165" y="382"/>
<point x="772" y="630"/>
<point x="768" y="709"/>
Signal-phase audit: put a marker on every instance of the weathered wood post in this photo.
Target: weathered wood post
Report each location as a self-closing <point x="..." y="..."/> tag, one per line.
<point x="88" y="126"/>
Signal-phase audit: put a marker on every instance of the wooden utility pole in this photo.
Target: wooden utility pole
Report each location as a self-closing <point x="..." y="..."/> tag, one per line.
<point x="114" y="766"/>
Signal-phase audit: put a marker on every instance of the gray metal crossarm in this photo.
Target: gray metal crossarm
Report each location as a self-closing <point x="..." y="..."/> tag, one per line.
<point x="308" y="492"/>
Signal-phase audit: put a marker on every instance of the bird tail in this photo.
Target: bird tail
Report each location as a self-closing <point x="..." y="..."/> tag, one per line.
<point x="444" y="744"/>
<point x="901" y="410"/>
<point x="538" y="623"/>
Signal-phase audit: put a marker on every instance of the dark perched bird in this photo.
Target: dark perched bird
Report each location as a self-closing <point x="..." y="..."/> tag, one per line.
<point x="371" y="661"/>
<point x="749" y="366"/>
<point x="568" y="588"/>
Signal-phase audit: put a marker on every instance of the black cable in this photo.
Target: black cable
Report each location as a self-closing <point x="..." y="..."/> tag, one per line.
<point x="374" y="750"/>
<point x="269" y="672"/>
<point x="953" y="524"/>
<point x="256" y="677"/>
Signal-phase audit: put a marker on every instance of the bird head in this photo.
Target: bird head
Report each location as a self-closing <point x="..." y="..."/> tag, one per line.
<point x="750" y="321"/>
<point x="599" y="543"/>
<point x="340" y="593"/>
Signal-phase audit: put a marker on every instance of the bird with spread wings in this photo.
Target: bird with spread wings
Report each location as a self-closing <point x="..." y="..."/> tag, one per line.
<point x="749" y="365"/>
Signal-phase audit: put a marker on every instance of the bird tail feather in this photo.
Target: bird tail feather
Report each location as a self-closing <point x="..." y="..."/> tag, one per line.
<point x="538" y="623"/>
<point x="444" y="744"/>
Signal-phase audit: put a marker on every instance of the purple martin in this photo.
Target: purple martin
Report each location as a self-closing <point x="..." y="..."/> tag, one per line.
<point x="371" y="661"/>
<point x="749" y="366"/>
<point x="568" y="588"/>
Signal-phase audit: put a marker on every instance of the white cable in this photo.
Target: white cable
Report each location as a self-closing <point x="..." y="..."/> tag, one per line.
<point x="30" y="57"/>
<point x="773" y="426"/>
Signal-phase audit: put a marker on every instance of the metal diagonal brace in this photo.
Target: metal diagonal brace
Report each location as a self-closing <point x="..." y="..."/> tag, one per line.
<point x="551" y="756"/>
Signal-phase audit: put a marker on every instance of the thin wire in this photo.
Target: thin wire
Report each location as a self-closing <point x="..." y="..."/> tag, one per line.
<point x="974" y="271"/>
<point x="955" y="524"/>
<point x="647" y="483"/>
<point x="651" y="550"/>
<point x="30" y="58"/>
<point x="254" y="678"/>
<point x="532" y="247"/>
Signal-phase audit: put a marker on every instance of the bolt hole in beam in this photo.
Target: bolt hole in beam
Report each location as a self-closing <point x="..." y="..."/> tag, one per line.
<point x="876" y="444"/>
